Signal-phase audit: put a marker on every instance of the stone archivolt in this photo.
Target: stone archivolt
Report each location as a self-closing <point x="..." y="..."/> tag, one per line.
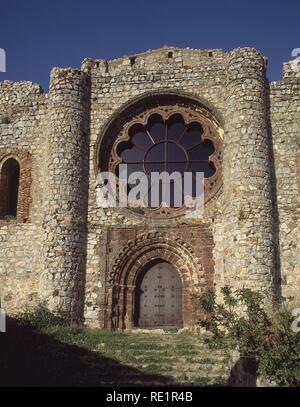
<point x="138" y="253"/>
<point x="151" y="246"/>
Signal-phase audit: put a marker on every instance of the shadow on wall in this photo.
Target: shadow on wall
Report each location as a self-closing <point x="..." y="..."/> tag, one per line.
<point x="277" y="275"/>
<point x="243" y="374"/>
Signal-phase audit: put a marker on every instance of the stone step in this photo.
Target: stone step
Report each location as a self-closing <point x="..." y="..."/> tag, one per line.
<point x="183" y="355"/>
<point x="191" y="377"/>
<point x="167" y="345"/>
<point x="164" y="344"/>
<point x="165" y="367"/>
<point x="152" y="383"/>
<point x="164" y="359"/>
<point x="203" y="359"/>
<point x="135" y="381"/>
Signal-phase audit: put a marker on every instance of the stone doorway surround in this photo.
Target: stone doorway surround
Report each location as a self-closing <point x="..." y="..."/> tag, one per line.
<point x="152" y="246"/>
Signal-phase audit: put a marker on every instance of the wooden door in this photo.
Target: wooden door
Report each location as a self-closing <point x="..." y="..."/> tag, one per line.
<point x="161" y="298"/>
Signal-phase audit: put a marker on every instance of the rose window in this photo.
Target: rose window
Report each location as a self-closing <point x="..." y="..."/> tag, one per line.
<point x="168" y="140"/>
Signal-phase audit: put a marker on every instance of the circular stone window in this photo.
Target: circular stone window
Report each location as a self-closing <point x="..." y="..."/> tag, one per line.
<point x="168" y="139"/>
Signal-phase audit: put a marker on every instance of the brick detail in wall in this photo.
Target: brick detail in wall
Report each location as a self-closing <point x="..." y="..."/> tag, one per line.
<point x="24" y="199"/>
<point x="66" y="253"/>
<point x="187" y="248"/>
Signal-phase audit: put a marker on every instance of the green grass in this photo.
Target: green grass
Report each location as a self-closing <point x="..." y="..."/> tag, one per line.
<point x="71" y="355"/>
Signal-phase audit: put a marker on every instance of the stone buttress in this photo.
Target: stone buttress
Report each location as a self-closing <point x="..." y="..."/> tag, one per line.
<point x="248" y="240"/>
<point x="65" y="221"/>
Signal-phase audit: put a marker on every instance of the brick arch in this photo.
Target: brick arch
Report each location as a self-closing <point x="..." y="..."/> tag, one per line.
<point x="150" y="244"/>
<point x="24" y="160"/>
<point x="132" y="260"/>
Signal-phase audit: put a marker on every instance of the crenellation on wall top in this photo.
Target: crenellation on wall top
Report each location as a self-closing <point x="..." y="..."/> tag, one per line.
<point x="15" y="96"/>
<point x="64" y="72"/>
<point x="290" y="81"/>
<point x="152" y="59"/>
<point x="65" y="76"/>
<point x="291" y="70"/>
<point x="13" y="89"/>
<point x="165" y="59"/>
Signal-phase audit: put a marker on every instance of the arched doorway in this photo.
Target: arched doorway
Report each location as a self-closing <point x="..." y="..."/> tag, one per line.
<point x="9" y="187"/>
<point x="132" y="263"/>
<point x="158" y="299"/>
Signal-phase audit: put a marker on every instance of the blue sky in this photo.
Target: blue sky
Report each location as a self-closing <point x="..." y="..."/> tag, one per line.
<point x="38" y="35"/>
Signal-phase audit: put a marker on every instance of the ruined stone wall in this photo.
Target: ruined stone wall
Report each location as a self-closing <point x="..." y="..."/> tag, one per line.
<point x="59" y="250"/>
<point x="248" y="239"/>
<point x="65" y="220"/>
<point x="236" y="86"/>
<point x="43" y="254"/>
<point x="113" y="85"/>
<point x="285" y="127"/>
<point x="22" y="135"/>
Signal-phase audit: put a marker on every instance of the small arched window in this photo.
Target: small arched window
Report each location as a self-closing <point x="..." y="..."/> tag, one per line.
<point x="9" y="188"/>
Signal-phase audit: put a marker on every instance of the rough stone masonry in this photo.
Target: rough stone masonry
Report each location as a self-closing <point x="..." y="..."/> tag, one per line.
<point x="60" y="248"/>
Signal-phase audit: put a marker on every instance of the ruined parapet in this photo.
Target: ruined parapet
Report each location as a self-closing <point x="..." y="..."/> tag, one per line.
<point x="65" y="220"/>
<point x="285" y="120"/>
<point x="248" y="240"/>
<point x="156" y="60"/>
<point x="18" y="97"/>
<point x="48" y="257"/>
<point x="21" y="136"/>
<point x="291" y="70"/>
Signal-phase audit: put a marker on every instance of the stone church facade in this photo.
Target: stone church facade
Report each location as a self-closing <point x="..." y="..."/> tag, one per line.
<point x="119" y="268"/>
